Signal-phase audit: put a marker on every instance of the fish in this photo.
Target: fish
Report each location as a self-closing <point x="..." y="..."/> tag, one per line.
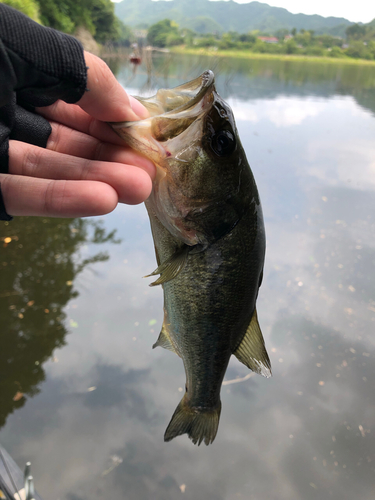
<point x="207" y="225"/>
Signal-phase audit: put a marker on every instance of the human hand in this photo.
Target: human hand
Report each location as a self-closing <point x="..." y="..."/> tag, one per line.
<point x="85" y="168"/>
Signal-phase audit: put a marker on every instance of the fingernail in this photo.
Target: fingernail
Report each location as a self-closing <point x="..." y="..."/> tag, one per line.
<point x="138" y="108"/>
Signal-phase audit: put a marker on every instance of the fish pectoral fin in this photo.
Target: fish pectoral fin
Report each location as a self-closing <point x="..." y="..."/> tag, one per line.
<point x="252" y="351"/>
<point x="164" y="340"/>
<point x="172" y="267"/>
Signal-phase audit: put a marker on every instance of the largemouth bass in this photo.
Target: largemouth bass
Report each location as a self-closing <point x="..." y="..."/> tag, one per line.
<point x="208" y="231"/>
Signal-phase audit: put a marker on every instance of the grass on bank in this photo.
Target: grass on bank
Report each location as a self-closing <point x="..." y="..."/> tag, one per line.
<point x="242" y="54"/>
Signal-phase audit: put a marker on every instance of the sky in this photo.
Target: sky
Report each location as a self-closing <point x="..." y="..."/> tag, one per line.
<point x="355" y="11"/>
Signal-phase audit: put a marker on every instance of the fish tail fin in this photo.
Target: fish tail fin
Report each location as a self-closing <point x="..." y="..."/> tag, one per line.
<point x="199" y="424"/>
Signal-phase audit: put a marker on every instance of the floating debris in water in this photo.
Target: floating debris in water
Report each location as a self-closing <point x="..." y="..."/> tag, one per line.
<point x="239" y="379"/>
<point x="19" y="395"/>
<point x="116" y="461"/>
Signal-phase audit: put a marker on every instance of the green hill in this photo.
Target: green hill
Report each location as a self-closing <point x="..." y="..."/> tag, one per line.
<point x="203" y="24"/>
<point x="226" y="16"/>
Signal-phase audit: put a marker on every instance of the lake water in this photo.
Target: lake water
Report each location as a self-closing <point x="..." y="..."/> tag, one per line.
<point x="86" y="399"/>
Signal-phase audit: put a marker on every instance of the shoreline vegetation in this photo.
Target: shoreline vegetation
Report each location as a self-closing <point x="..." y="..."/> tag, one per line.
<point x="357" y="47"/>
<point x="247" y="54"/>
<point x="96" y="25"/>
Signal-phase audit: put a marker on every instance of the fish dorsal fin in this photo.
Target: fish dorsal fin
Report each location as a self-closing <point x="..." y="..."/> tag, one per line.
<point x="171" y="267"/>
<point x="252" y="352"/>
<point x="164" y="340"/>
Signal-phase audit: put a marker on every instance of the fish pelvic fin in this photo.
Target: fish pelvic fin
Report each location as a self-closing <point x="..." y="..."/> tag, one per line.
<point x="200" y="424"/>
<point x="172" y="267"/>
<point x="252" y="351"/>
<point x="164" y="340"/>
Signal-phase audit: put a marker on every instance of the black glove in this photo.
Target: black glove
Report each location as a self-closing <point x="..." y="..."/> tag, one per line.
<point x="38" y="66"/>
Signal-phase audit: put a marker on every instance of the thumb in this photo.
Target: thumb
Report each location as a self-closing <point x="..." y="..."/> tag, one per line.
<point x="105" y="99"/>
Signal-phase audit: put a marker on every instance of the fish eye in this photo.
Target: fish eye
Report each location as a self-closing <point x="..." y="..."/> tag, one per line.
<point x="223" y="143"/>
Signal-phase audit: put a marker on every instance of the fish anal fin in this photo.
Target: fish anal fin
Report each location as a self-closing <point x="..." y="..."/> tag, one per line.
<point x="252" y="351"/>
<point x="172" y="267"/>
<point x="164" y="340"/>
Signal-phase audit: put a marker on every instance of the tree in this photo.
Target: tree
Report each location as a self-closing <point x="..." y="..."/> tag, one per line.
<point x="328" y="41"/>
<point x="355" y="31"/>
<point x="56" y="16"/>
<point x="281" y="34"/>
<point x="249" y="37"/>
<point x="358" y="50"/>
<point x="304" y="38"/>
<point x="164" y="33"/>
<point x="291" y="47"/>
<point x="227" y="42"/>
<point x="336" y="52"/>
<point x="97" y="16"/>
<point x="107" y="25"/>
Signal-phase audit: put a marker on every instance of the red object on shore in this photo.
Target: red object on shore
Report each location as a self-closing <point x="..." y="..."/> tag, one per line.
<point x="135" y="59"/>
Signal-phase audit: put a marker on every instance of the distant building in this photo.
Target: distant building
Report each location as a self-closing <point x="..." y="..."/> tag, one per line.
<point x="288" y="37"/>
<point x="268" y="39"/>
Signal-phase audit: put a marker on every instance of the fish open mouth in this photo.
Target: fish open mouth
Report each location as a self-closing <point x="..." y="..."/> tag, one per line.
<point x="179" y="99"/>
<point x="172" y="112"/>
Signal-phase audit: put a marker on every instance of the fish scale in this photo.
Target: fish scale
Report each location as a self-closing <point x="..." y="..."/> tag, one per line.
<point x="196" y="301"/>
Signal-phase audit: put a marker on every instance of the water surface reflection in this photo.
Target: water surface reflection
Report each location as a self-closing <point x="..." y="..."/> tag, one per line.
<point x="40" y="263"/>
<point x="96" y="426"/>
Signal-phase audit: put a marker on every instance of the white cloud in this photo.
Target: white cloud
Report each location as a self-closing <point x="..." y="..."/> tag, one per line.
<point x="346" y="163"/>
<point x="282" y="112"/>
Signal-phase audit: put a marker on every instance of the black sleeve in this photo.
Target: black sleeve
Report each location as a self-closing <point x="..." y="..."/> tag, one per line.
<point x="38" y="66"/>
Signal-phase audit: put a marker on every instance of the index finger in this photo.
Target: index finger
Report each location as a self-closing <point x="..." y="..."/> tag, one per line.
<point x="105" y="98"/>
<point x="74" y="117"/>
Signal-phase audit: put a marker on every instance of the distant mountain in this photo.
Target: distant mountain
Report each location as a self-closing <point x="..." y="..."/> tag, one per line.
<point x="202" y="24"/>
<point x="226" y="16"/>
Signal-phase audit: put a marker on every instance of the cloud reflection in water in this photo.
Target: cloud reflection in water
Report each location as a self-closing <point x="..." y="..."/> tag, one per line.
<point x="306" y="433"/>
